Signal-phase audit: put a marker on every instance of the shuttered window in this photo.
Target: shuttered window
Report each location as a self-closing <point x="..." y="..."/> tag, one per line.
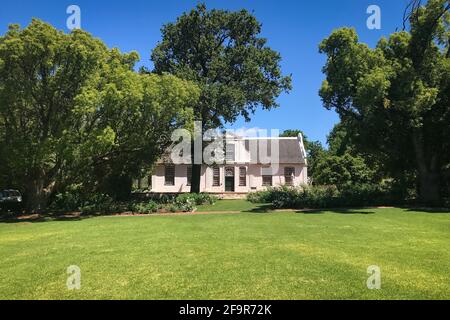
<point x="266" y="173"/>
<point x="289" y="174"/>
<point x="267" y="181"/>
<point x="216" y="177"/>
<point x="169" y="175"/>
<point x="243" y="177"/>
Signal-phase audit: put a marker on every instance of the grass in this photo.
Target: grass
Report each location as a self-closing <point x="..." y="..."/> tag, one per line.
<point x="232" y="206"/>
<point x="318" y="255"/>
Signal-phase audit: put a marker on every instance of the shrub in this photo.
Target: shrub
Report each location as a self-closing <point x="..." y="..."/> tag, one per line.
<point x="260" y="197"/>
<point x="145" y="208"/>
<point x="359" y="195"/>
<point x="74" y="199"/>
<point x="284" y="197"/>
<point x="316" y="197"/>
<point x="99" y="203"/>
<point x="196" y="199"/>
<point x="70" y="200"/>
<point x="166" y="199"/>
<point x="172" y="208"/>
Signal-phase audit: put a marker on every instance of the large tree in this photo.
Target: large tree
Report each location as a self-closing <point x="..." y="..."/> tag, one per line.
<point x="396" y="97"/>
<point x="70" y="107"/>
<point x="225" y="55"/>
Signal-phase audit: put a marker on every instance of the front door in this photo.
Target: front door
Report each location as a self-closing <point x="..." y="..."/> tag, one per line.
<point x="229" y="184"/>
<point x="229" y="179"/>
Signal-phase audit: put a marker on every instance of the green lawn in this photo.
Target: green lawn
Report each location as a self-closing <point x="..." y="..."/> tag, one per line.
<point x="317" y="255"/>
<point x="232" y="205"/>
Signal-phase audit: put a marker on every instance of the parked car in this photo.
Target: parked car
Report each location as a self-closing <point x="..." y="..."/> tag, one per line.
<point x="10" y="200"/>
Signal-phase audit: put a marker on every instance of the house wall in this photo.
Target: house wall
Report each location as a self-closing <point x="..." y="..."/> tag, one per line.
<point x="278" y="178"/>
<point x="253" y="178"/>
<point x="181" y="185"/>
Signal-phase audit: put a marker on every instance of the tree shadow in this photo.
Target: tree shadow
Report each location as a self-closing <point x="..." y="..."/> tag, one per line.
<point x="40" y="218"/>
<point x="428" y="210"/>
<point x="347" y="211"/>
<point x="263" y="208"/>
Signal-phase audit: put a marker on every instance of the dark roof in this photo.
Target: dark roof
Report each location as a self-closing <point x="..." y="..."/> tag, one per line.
<point x="289" y="150"/>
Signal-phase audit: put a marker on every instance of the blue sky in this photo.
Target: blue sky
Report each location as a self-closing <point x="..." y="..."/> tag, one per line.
<point x="292" y="27"/>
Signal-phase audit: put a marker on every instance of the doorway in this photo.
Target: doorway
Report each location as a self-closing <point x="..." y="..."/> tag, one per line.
<point x="229" y="179"/>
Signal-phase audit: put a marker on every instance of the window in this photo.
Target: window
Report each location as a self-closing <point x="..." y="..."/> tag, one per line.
<point x="189" y="175"/>
<point x="216" y="177"/>
<point x="230" y="152"/>
<point x="169" y="175"/>
<point x="242" y="177"/>
<point x="267" y="181"/>
<point x="266" y="173"/>
<point x="289" y="174"/>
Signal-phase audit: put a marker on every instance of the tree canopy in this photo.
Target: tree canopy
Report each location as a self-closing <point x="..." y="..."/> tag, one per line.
<point x="71" y="110"/>
<point x="396" y="97"/>
<point x="223" y="53"/>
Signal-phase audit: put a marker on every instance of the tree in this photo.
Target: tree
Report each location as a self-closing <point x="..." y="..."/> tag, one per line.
<point x="342" y="171"/>
<point x="396" y="97"/>
<point x="293" y="133"/>
<point x="222" y="53"/>
<point x="70" y="108"/>
<point x="135" y="116"/>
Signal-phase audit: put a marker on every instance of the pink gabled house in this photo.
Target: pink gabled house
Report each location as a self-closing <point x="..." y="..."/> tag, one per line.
<point x="246" y="168"/>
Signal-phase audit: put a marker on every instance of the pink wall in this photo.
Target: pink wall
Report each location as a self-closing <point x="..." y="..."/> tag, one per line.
<point x="254" y="178"/>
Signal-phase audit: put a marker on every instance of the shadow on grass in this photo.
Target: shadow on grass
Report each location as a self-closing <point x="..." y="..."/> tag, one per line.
<point x="338" y="211"/>
<point x="268" y="208"/>
<point x="39" y="218"/>
<point x="263" y="208"/>
<point x="428" y="210"/>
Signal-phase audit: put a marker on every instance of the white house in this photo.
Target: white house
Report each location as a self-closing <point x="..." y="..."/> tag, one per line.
<point x="246" y="168"/>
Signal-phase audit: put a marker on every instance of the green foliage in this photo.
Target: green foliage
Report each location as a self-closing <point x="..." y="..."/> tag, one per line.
<point x="99" y="204"/>
<point x="185" y="205"/>
<point x="394" y="99"/>
<point x="188" y="202"/>
<point x="342" y="171"/>
<point x="312" y="197"/>
<point x="172" y="208"/>
<point x="222" y="52"/>
<point x="198" y="199"/>
<point x="145" y="208"/>
<point x="260" y="197"/>
<point x="73" y="111"/>
<point x="73" y="199"/>
<point x="290" y="133"/>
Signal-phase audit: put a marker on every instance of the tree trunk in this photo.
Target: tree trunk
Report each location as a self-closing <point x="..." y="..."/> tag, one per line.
<point x="34" y="196"/>
<point x="196" y="173"/>
<point x="38" y="190"/>
<point x="429" y="187"/>
<point x="196" y="177"/>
